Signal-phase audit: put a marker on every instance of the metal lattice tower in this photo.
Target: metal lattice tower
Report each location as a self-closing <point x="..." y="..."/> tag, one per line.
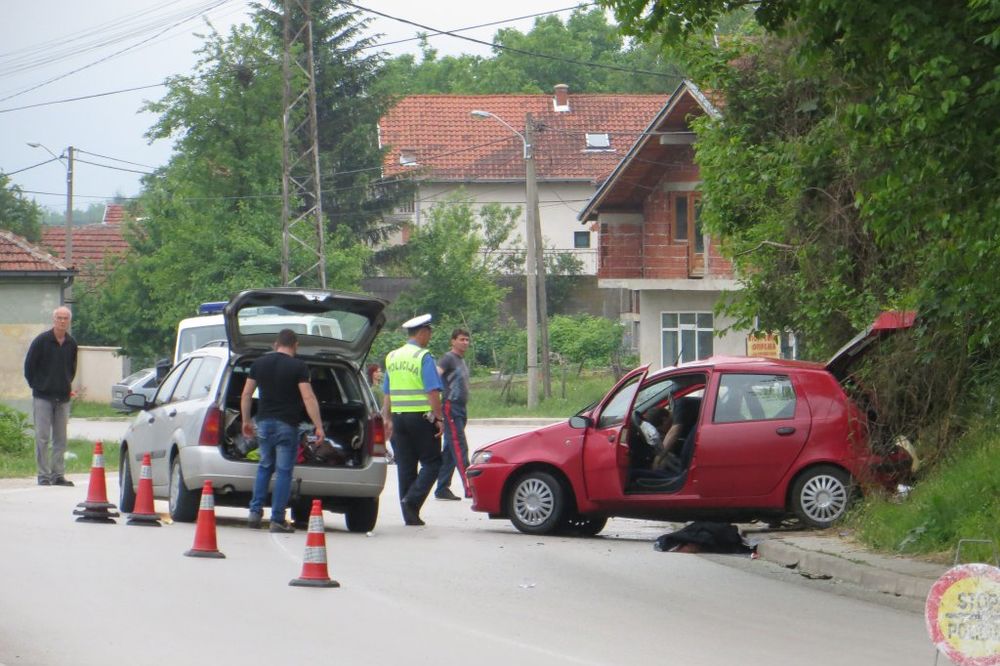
<point x="303" y="252"/>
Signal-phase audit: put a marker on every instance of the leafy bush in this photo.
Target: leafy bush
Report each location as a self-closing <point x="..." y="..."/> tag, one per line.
<point x="15" y="431"/>
<point x="586" y="340"/>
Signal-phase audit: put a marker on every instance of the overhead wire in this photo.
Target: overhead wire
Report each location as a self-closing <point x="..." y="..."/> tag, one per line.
<point x="106" y="58"/>
<point x="512" y="49"/>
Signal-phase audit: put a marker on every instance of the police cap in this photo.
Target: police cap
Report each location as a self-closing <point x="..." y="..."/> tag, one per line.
<point x="417" y="322"/>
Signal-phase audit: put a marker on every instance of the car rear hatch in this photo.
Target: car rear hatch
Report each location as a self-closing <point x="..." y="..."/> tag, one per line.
<point x="328" y="324"/>
<point x="842" y="363"/>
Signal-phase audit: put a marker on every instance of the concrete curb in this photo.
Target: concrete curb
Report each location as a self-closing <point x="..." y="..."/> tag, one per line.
<point x="899" y="577"/>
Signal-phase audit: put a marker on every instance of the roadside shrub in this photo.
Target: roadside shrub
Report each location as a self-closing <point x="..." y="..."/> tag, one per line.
<point x="959" y="499"/>
<point x="15" y="431"/>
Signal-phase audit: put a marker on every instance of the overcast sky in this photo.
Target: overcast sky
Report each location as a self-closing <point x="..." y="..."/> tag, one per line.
<point x="53" y="50"/>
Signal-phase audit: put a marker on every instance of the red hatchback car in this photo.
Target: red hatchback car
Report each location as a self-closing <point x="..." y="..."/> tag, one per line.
<point x="759" y="438"/>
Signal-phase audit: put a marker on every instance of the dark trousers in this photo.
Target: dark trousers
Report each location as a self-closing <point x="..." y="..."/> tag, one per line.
<point x="414" y="441"/>
<point x="456" y="448"/>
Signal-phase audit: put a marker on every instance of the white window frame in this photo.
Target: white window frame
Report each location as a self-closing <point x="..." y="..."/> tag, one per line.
<point x="677" y="332"/>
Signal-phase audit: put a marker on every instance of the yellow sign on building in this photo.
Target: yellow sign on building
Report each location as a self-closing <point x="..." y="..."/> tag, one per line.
<point x="764" y="345"/>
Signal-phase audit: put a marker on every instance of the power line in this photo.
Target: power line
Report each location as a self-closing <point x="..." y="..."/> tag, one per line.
<point x="82" y="97"/>
<point x="108" y="57"/>
<point x="11" y="173"/>
<point x="490" y="24"/>
<point x="512" y="49"/>
<point x="115" y="159"/>
<point x="113" y="168"/>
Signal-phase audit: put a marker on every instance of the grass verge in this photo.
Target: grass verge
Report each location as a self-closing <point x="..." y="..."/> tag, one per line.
<point x="93" y="410"/>
<point x="959" y="499"/>
<point x="79" y="458"/>
<point x="487" y="398"/>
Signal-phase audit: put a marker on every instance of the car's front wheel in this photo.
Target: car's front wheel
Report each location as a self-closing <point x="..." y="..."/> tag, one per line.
<point x="126" y="494"/>
<point x="184" y="503"/>
<point x="362" y="514"/>
<point x="536" y="503"/>
<point x="820" y="496"/>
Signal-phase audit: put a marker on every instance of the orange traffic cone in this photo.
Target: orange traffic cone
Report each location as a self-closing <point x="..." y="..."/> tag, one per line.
<point x="314" y="572"/>
<point x="144" y="513"/>
<point x="204" y="532"/>
<point x="97" y="508"/>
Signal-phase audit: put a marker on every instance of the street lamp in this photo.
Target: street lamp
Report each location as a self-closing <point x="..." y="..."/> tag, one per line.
<point x="69" y="197"/>
<point x="534" y="266"/>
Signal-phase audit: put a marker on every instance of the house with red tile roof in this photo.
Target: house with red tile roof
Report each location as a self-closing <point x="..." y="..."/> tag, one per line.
<point x="33" y="283"/>
<point x="579" y="140"/>
<point x="96" y="247"/>
<point x="651" y="244"/>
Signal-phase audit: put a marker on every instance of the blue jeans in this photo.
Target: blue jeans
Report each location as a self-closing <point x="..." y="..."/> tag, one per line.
<point x="455" y="418"/>
<point x="279" y="443"/>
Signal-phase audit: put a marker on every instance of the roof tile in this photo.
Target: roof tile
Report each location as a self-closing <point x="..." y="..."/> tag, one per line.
<point x="447" y="143"/>
<point x="18" y="254"/>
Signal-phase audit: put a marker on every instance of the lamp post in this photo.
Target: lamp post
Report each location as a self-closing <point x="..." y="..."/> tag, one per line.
<point x="69" y="198"/>
<point x="534" y="268"/>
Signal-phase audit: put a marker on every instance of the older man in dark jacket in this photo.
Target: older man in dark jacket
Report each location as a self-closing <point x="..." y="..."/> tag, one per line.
<point x="50" y="367"/>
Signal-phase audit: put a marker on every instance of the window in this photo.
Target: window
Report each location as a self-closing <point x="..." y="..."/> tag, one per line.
<point x="183" y="390"/>
<point x="581" y="239"/>
<point x="204" y="378"/>
<point x="407" y="207"/>
<point x="687" y="219"/>
<point x="407" y="158"/>
<point x="754" y="398"/>
<point x="169" y="382"/>
<point x="614" y="412"/>
<point x="685" y="336"/>
<point x="598" y="141"/>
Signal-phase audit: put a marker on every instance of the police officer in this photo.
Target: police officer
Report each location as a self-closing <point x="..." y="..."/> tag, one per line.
<point x="411" y="410"/>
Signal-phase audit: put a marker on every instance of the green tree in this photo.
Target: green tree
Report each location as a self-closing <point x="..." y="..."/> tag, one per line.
<point x="553" y="51"/>
<point x="17" y="213"/>
<point x="855" y="171"/>
<point x="211" y="216"/>
<point x="455" y="270"/>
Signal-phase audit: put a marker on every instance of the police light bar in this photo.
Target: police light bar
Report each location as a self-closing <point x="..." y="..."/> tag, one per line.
<point x="215" y="307"/>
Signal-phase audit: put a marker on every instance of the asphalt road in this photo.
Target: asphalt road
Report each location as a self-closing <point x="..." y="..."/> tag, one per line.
<point x="464" y="589"/>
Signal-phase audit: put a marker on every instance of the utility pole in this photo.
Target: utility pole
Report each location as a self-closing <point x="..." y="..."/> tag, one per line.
<point x="531" y="259"/>
<point x="539" y="246"/>
<point x="302" y="220"/>
<point x="69" y="218"/>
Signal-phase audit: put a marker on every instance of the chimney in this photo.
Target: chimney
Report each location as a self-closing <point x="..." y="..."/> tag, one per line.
<point x="561" y="100"/>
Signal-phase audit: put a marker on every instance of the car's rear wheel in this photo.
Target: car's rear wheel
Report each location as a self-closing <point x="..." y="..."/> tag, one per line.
<point x="820" y="496"/>
<point x="184" y="503"/>
<point x="536" y="503"/>
<point x="362" y="514"/>
<point x="126" y="494"/>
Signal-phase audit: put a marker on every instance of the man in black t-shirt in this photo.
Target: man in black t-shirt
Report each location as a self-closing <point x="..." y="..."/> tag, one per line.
<point x="284" y="390"/>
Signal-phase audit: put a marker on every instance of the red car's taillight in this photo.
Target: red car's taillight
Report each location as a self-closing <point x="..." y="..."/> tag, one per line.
<point x="376" y="436"/>
<point x="211" y="427"/>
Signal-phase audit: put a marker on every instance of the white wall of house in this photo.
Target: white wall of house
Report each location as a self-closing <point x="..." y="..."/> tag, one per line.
<point x="26" y="311"/>
<point x="654" y="302"/>
<point x="558" y="205"/>
<point x="97" y="368"/>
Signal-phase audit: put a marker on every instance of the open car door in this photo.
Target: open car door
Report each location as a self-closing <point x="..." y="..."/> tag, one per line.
<point x="605" y="448"/>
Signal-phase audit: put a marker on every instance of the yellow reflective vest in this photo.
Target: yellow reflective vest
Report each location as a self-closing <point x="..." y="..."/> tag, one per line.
<point x="406" y="385"/>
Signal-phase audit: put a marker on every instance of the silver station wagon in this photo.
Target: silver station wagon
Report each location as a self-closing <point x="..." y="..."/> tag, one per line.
<point x="192" y="425"/>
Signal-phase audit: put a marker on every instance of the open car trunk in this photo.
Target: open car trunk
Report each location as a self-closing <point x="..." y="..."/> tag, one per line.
<point x="343" y="406"/>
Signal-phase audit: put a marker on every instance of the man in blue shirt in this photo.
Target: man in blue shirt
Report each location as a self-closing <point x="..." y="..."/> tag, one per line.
<point x="411" y="409"/>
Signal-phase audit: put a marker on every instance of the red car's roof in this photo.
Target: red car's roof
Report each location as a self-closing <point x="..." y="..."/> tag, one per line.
<point x="755" y="363"/>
